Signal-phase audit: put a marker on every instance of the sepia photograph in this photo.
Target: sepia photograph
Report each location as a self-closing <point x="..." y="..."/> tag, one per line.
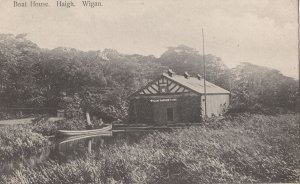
<point x="149" y="92"/>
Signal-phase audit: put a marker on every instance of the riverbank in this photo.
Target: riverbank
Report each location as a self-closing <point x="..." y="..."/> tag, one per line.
<point x="243" y="148"/>
<point x="19" y="141"/>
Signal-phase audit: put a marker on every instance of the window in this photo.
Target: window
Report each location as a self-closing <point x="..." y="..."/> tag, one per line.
<point x="170" y="114"/>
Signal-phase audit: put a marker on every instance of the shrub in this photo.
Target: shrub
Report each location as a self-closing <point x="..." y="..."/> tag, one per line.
<point x="19" y="141"/>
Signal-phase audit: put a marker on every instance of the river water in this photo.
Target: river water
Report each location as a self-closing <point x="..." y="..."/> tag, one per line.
<point x="63" y="149"/>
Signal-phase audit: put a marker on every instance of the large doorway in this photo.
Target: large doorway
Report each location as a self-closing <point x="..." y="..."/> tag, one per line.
<point x="170" y="114"/>
<point x="165" y="112"/>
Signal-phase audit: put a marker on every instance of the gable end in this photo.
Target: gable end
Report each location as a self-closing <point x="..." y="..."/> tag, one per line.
<point x="162" y="86"/>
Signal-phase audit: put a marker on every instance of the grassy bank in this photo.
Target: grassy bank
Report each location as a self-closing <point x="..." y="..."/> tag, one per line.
<point x="19" y="141"/>
<point x="243" y="148"/>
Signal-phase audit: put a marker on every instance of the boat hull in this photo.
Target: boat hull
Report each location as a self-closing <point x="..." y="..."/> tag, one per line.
<point x="81" y="137"/>
<point x="84" y="132"/>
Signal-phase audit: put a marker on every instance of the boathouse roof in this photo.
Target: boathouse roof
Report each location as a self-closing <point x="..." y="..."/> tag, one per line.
<point x="171" y="83"/>
<point x="196" y="84"/>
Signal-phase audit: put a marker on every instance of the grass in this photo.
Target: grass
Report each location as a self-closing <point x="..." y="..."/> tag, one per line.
<point x="19" y="141"/>
<point x="242" y="148"/>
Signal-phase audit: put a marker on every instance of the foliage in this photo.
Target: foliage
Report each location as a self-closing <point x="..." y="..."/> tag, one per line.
<point x="72" y="106"/>
<point x="20" y="141"/>
<point x="35" y="77"/>
<point x="101" y="81"/>
<point x="183" y="58"/>
<point x="106" y="104"/>
<point x="17" y="57"/>
<point x="261" y="90"/>
<point x="234" y="149"/>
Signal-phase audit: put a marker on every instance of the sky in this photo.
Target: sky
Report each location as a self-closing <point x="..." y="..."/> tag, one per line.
<point x="262" y="32"/>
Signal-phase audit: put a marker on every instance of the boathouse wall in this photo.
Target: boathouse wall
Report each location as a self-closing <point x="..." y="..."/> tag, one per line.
<point x="216" y="104"/>
<point x="167" y="109"/>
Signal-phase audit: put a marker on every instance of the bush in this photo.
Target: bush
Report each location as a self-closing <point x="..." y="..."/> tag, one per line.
<point x="19" y="141"/>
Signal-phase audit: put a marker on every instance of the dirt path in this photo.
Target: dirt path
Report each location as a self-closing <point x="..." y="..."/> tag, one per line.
<point x="15" y="121"/>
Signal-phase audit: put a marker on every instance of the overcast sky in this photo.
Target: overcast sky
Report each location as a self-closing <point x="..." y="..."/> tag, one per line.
<point x="262" y="32"/>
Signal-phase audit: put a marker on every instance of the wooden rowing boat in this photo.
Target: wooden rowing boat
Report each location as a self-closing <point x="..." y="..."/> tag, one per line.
<point x="84" y="132"/>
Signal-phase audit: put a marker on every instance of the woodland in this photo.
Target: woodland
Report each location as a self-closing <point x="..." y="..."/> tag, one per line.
<point x="100" y="81"/>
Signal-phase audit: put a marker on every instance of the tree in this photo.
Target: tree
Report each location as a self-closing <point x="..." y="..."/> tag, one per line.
<point x="186" y="59"/>
<point x="259" y="89"/>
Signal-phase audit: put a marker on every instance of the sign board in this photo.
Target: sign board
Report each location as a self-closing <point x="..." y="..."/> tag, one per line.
<point x="164" y="100"/>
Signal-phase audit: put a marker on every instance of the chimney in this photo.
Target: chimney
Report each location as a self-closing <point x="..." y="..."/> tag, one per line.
<point x="186" y="75"/>
<point x="199" y="76"/>
<point x="170" y="72"/>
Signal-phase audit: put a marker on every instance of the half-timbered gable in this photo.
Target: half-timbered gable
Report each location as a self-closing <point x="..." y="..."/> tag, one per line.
<point x="163" y="86"/>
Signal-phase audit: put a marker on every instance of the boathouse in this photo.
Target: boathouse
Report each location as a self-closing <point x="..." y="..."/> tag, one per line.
<point x="177" y="99"/>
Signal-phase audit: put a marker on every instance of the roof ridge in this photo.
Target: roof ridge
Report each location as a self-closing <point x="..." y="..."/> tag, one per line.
<point x="187" y="82"/>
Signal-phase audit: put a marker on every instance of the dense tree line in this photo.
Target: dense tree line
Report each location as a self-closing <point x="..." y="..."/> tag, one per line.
<point x="260" y="89"/>
<point x="97" y="81"/>
<point x="101" y="81"/>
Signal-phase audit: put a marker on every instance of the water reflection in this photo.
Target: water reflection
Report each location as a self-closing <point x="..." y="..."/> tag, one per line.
<point x="77" y="146"/>
<point x="8" y="166"/>
<point x="69" y="148"/>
